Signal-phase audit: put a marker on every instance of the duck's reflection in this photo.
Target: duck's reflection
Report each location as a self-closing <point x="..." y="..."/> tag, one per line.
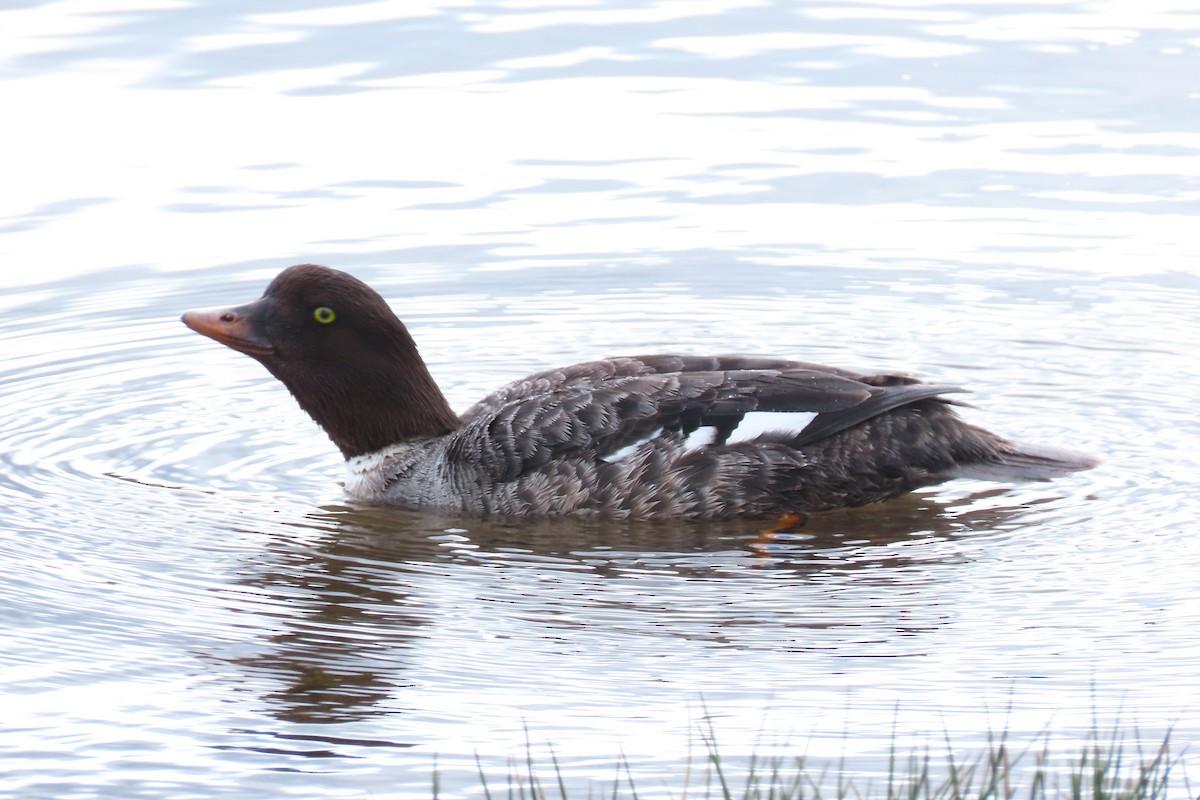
<point x="345" y="599"/>
<point x="333" y="622"/>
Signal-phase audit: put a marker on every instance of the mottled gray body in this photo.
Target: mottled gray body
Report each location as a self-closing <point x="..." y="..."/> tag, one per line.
<point x="540" y="446"/>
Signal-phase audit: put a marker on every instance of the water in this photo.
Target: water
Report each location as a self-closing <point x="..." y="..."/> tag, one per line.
<point x="993" y="195"/>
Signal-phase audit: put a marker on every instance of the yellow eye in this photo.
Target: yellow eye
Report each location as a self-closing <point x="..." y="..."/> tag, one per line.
<point x="324" y="315"/>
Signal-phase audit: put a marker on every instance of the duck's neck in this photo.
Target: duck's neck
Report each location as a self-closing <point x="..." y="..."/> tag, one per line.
<point x="375" y="399"/>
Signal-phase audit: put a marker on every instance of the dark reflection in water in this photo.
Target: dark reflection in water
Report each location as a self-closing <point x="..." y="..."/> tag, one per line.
<point x="336" y="622"/>
<point x="338" y="616"/>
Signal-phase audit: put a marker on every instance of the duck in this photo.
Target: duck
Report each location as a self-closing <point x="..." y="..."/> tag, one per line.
<point x="649" y="437"/>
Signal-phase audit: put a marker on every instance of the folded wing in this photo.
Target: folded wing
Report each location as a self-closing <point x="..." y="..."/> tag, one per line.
<point x="597" y="410"/>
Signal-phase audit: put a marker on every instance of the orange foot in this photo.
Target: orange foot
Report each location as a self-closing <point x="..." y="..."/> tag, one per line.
<point x="788" y="523"/>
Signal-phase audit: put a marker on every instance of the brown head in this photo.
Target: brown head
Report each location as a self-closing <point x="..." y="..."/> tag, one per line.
<point x="341" y="352"/>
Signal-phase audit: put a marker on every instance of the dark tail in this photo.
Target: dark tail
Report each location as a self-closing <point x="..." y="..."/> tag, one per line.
<point x="1018" y="461"/>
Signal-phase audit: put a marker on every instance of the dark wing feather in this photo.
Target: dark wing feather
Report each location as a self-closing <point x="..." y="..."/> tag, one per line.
<point x="588" y="374"/>
<point x="883" y="399"/>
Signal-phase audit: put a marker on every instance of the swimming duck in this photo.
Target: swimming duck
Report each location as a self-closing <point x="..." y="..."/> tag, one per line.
<point x="639" y="437"/>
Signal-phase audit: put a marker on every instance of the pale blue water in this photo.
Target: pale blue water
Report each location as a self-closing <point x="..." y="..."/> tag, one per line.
<point x="993" y="195"/>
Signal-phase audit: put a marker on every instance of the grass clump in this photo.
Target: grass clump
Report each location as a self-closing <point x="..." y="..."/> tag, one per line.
<point x="1104" y="768"/>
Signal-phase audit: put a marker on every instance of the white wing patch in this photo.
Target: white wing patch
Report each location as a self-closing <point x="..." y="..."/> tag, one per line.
<point x="699" y="438"/>
<point x="754" y="424"/>
<point x="629" y="449"/>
